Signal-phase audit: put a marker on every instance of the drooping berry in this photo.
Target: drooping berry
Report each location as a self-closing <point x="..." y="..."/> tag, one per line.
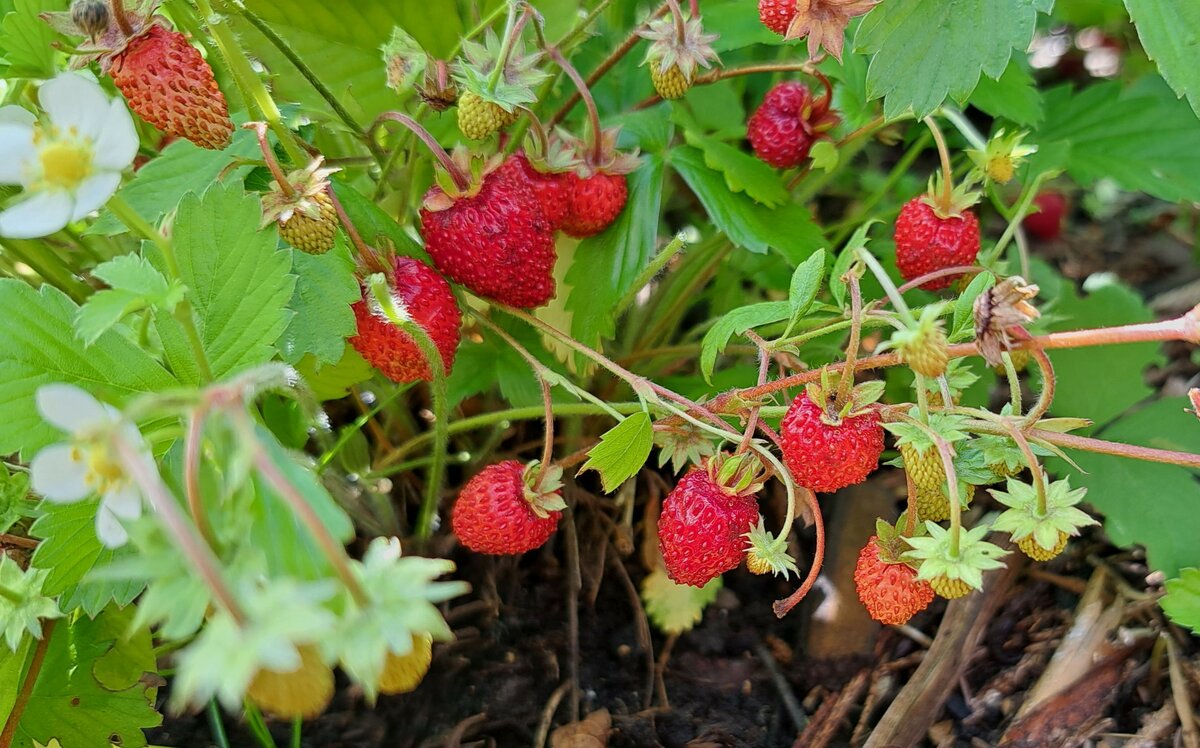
<point x="783" y="129"/>
<point x="403" y="673"/>
<point x="552" y="190"/>
<point x="1047" y="223"/>
<point x="593" y="202"/>
<point x="890" y="591"/>
<point x="926" y="241"/>
<point x="501" y="511"/>
<point x="826" y="451"/>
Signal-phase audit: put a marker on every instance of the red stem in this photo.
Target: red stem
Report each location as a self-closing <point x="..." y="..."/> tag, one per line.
<point x="121" y="17"/>
<point x="260" y="131"/>
<point x="35" y="668"/>
<point x="461" y="180"/>
<point x="191" y="475"/>
<point x="955" y="271"/>
<point x="781" y="607"/>
<point x="588" y="101"/>
<point x="365" y="251"/>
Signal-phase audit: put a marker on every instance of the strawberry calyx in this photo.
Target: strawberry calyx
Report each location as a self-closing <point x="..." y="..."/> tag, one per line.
<point x="767" y="553"/>
<point x="464" y="180"/>
<point x="120" y="28"/>
<point x="512" y="86"/>
<point x="999" y="158"/>
<point x="936" y="560"/>
<point x="543" y="488"/>
<point x="835" y="409"/>
<point x="737" y="474"/>
<point x="602" y="157"/>
<point x="953" y="202"/>
<point x="681" y="444"/>
<point x="297" y="194"/>
<point x="891" y="541"/>
<point x="669" y="48"/>
<point x="1024" y="518"/>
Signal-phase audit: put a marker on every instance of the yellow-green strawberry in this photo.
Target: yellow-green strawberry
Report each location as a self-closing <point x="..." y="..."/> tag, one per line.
<point x="302" y="209"/>
<point x="949" y="588"/>
<point x="488" y="103"/>
<point x="953" y="570"/>
<point x="923" y="346"/>
<point x="934" y="504"/>
<point x="403" y="673"/>
<point x="1041" y="526"/>
<point x="678" y="47"/>
<point x="924" y="466"/>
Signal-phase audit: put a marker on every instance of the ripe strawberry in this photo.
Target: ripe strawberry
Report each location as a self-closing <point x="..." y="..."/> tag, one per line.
<point x="552" y="190"/>
<point x="167" y="81"/>
<point x="826" y="449"/>
<point x="593" y="203"/>
<point x="1029" y="546"/>
<point x="777" y="15"/>
<point x="428" y="301"/>
<point x="500" y="511"/>
<point x="927" y="241"/>
<point x="889" y="589"/>
<point x="302" y="693"/>
<point x="783" y="129"/>
<point x="493" y="238"/>
<point x="1047" y="223"/>
<point x="705" y="518"/>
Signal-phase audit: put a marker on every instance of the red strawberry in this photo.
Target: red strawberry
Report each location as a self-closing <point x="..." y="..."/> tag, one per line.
<point x="826" y="451"/>
<point x="552" y="190"/>
<point x="703" y="521"/>
<point x="427" y="299"/>
<point x="1047" y="223"/>
<point x="890" y="592"/>
<point x="494" y="238"/>
<point x="594" y="202"/>
<point x="783" y="129"/>
<point x="499" y="512"/>
<point x="777" y="15"/>
<point x="166" y="81"/>
<point x="926" y="241"/>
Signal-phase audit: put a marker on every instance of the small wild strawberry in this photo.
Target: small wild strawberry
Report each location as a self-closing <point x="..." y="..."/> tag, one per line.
<point x="888" y="587"/>
<point x="493" y="236"/>
<point x="923" y="346"/>
<point x="302" y="693"/>
<point x="403" y="673"/>
<point x="506" y="509"/>
<point x="548" y="167"/>
<point x="426" y="299"/>
<point x="676" y="53"/>
<point x="953" y="572"/>
<point x="597" y="190"/>
<point x="483" y="106"/>
<point x="927" y="241"/>
<point x="1041" y="529"/>
<point x="783" y="129"/>
<point x="303" y="210"/>
<point x="1047" y="223"/>
<point x="704" y="520"/>
<point x="829" y="445"/>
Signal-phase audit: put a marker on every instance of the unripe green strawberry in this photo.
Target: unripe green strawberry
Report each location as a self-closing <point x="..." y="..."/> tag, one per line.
<point x="670" y="83"/>
<point x="757" y="564"/>
<point x="403" y="673"/>
<point x="934" y="505"/>
<point x="924" y="467"/>
<point x="478" y="118"/>
<point x="314" y="235"/>
<point x="923" y="345"/>
<point x="949" y="588"/>
<point x="1029" y="546"/>
<point x="301" y="693"/>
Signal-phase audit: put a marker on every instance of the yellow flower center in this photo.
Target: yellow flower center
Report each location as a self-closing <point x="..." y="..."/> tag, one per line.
<point x="103" y="471"/>
<point x="64" y="157"/>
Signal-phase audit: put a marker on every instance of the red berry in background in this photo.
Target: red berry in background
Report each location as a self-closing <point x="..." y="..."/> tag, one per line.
<point x="552" y="190"/>
<point x="783" y="129"/>
<point x="168" y="83"/>
<point x="593" y="203"/>
<point x="495" y="239"/>
<point x="926" y="242"/>
<point x="428" y="301"/>
<point x="826" y="452"/>
<point x="498" y="512"/>
<point x="890" y="592"/>
<point x="701" y="528"/>
<point x="1047" y="223"/>
<point x="777" y="15"/>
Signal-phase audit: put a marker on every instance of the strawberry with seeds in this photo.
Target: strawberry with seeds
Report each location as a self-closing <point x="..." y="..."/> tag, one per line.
<point x="509" y="508"/>
<point x="832" y="439"/>
<point x="887" y="586"/>
<point x="784" y="128"/>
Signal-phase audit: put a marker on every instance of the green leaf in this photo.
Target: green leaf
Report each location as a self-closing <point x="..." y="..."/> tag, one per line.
<point x="926" y="50"/>
<point x="737" y="24"/>
<point x="606" y="265"/>
<point x="1013" y="96"/>
<point x="374" y="225"/>
<point x="69" y="550"/>
<point x="237" y="278"/>
<point x="14" y="493"/>
<point x="806" y="284"/>
<point x="964" y="308"/>
<point x="735" y="323"/>
<point x="70" y="705"/>
<point x="182" y="167"/>
<point x="1079" y="391"/>
<point x="1182" y="601"/>
<point x="333" y="381"/>
<point x="676" y="608"/>
<point x="39" y="346"/>
<point x="788" y="228"/>
<point x="1136" y="496"/>
<point x="1168" y="31"/>
<point x="341" y="41"/>
<point x="25" y="40"/>
<point x="135" y="285"/>
<point x="622" y="451"/>
<point x="1142" y="138"/>
<point x="858" y="240"/>
<point x="323" y="319"/>
<point x="743" y="172"/>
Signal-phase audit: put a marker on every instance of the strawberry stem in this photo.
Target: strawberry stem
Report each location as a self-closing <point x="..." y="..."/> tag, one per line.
<point x="846" y="383"/>
<point x="947" y="454"/>
<point x="680" y="21"/>
<point x="1014" y="382"/>
<point x="191" y="474"/>
<point x="946" y="199"/>
<point x="593" y="114"/>
<point x="121" y="16"/>
<point x="260" y="131"/>
<point x="512" y="30"/>
<point x="461" y="179"/>
<point x="888" y="286"/>
<point x="910" y="510"/>
<point x="781" y="607"/>
<point x="365" y="252"/>
<point x="764" y="363"/>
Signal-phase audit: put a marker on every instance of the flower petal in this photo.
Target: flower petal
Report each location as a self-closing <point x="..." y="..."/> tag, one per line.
<point x="109" y="529"/>
<point x="40" y="214"/>
<point x="70" y="408"/>
<point x="16" y="148"/>
<point x="117" y="142"/>
<point x="94" y="192"/>
<point x="56" y="475"/>
<point x="126" y="502"/>
<point x="72" y="100"/>
<point x="15" y="115"/>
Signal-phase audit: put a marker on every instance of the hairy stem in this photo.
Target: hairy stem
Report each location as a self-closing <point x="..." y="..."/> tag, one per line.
<point x="13" y="721"/>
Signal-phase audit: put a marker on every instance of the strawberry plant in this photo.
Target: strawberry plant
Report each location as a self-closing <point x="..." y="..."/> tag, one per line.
<point x="340" y="340"/>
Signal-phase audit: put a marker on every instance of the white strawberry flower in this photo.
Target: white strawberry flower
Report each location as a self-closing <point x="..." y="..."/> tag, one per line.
<point x="88" y="463"/>
<point x="69" y="162"/>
